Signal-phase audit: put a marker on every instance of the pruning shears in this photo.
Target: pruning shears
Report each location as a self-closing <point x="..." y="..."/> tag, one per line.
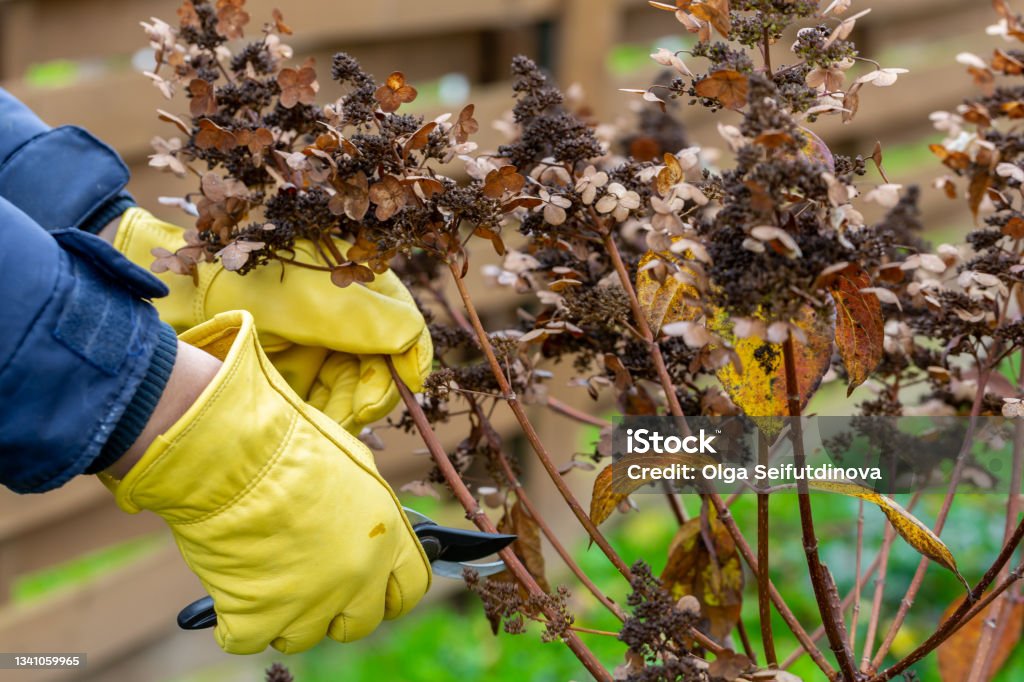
<point x="450" y="551"/>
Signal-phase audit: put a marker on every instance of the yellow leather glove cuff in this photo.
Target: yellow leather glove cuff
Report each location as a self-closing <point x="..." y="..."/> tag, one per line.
<point x="280" y="512"/>
<point x="315" y="333"/>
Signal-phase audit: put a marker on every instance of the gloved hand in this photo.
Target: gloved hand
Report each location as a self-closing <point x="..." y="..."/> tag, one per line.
<point x="327" y="342"/>
<point x="280" y="512"/>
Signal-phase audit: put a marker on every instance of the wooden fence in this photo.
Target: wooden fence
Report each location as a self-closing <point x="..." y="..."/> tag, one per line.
<point x="124" y="619"/>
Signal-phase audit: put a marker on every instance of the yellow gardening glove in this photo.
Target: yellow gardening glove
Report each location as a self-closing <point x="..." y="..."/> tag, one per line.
<point x="328" y="343"/>
<point x="279" y="511"/>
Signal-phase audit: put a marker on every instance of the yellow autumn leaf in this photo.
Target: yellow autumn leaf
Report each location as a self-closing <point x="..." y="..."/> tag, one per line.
<point x="613" y="484"/>
<point x="604" y="500"/>
<point x="664" y="302"/>
<point x="758" y="384"/>
<point x="692" y="569"/>
<point x="917" y="535"/>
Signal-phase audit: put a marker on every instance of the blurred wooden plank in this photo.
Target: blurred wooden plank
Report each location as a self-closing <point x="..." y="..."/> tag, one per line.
<point x="16" y="20"/>
<point x="113" y="614"/>
<point x="91" y="529"/>
<point x="20" y="514"/>
<point x="585" y="40"/>
<point x="77" y="29"/>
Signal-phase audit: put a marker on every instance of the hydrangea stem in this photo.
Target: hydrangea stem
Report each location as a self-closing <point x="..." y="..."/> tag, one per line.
<point x="529" y="431"/>
<point x="764" y="604"/>
<point x="478" y="517"/>
<point x="821" y="579"/>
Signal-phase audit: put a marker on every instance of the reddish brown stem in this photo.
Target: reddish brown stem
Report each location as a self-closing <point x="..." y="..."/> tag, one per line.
<point x="529" y="431"/>
<point x="477" y="516"/>
<point x="821" y="579"/>
<point x="571" y="412"/>
<point x="764" y="606"/>
<point x="855" y="616"/>
<point x="524" y="498"/>
<point x="819" y="632"/>
<point x="641" y="322"/>
<point x="876" y="601"/>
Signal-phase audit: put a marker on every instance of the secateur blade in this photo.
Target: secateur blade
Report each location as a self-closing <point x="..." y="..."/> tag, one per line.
<point x="451" y="550"/>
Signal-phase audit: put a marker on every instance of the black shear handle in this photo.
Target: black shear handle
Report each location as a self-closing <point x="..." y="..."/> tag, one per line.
<point x="198" y="615"/>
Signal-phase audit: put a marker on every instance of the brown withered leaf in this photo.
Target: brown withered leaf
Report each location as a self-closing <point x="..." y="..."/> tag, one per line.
<point x="256" y="140"/>
<point x="955" y="160"/>
<point x="204" y="98"/>
<point x="645" y="148"/>
<point x="729" y="666"/>
<point x="352" y="196"/>
<point x="773" y="138"/>
<point x="212" y="136"/>
<point x="495" y="238"/>
<point x="466" y="125"/>
<point x="216" y="188"/>
<point x="389" y="195"/>
<point x="758" y="384"/>
<point x="916" y="534"/>
<point x="231" y="18"/>
<point x="1014" y="228"/>
<point x="527" y="546"/>
<point x="171" y="118"/>
<point x="728" y="86"/>
<point x="956" y="654"/>
<point x="859" y="325"/>
<point x="670" y="175"/>
<point x="424" y="186"/>
<point x="187" y="15"/>
<point x="418" y="140"/>
<point x="1007" y="64"/>
<point x="760" y="199"/>
<point x="1013" y="110"/>
<point x="521" y="202"/>
<point x="279" y="24"/>
<point x="394" y="93"/>
<point x="693" y="570"/>
<point x="715" y="12"/>
<point x="234" y="255"/>
<point x="502" y="180"/>
<point x="349" y="273"/>
<point x="851" y="102"/>
<point x="1013" y="25"/>
<point x="364" y="249"/>
<point x="978" y="114"/>
<point x="298" y="86"/>
<point x="976" y="191"/>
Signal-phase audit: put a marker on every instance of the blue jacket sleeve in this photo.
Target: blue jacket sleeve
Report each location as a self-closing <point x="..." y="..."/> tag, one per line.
<point x="60" y="177"/>
<point x="83" y="356"/>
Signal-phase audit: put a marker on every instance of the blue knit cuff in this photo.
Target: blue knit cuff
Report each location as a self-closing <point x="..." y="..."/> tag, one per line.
<point x="142" y="404"/>
<point x="111" y="210"/>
